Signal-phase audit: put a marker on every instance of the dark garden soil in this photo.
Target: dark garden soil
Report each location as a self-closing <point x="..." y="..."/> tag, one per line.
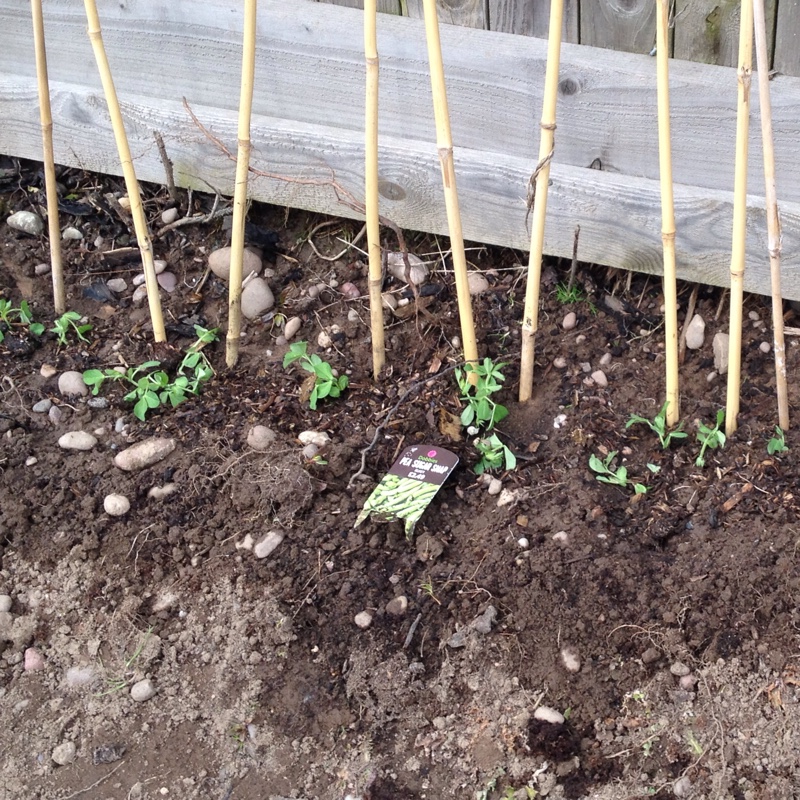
<point x="661" y="627"/>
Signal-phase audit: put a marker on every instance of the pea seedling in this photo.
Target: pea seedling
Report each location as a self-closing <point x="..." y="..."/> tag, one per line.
<point x="618" y="477"/>
<point x="710" y="438"/>
<point x="494" y="455"/>
<point x="326" y="384"/>
<point x="659" y="426"/>
<point x="481" y="410"/>
<point x="23" y="315"/>
<point x="69" y="321"/>
<point x="777" y="444"/>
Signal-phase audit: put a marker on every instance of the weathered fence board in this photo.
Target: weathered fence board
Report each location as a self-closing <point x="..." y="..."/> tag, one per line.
<point x="628" y="25"/>
<point x="532" y="18"/>
<point x="384" y="6"/>
<point x="309" y="120"/>
<point x="787" y="38"/>
<point x="469" y="13"/>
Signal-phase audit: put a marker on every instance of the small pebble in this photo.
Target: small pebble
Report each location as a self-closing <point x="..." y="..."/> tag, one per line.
<point x="5" y="603"/>
<point x="523" y="543"/>
<point x="682" y="787"/>
<point x="117" y="285"/>
<point x="257" y="298"/>
<point x="397" y="606"/>
<point x="319" y="438"/>
<point x="159" y="265"/>
<point x="144" y="454"/>
<point x="268" y="544"/>
<point x="418" y="271"/>
<point x="169" y="215"/>
<point x="363" y="619"/>
<point x="679" y="670"/>
<point x="600" y="379"/>
<point x="220" y="263"/>
<point x="41" y="269"/>
<point x="350" y="291"/>
<point x="547" y="714"/>
<point x="309" y="451"/>
<point x="143" y="690"/>
<point x="606" y="359"/>
<point x="31" y="460"/>
<point x="125" y="202"/>
<point x="720" y="347"/>
<point x="313" y="292"/>
<point x="507" y="497"/>
<point x="570" y="658"/>
<point x="570" y="321"/>
<point x="333" y="283"/>
<point x="77" y="440"/>
<point x="71" y="384"/>
<point x="560" y="362"/>
<point x="260" y="438"/>
<point x="711" y="377"/>
<point x="42" y="406"/>
<point x="754" y="315"/>
<point x="139" y="280"/>
<point x="97" y="402"/>
<point x="765" y="347"/>
<point x="55" y="414"/>
<point x="119" y="425"/>
<point x="580" y="338"/>
<point x="71" y="234"/>
<point x="352" y="315"/>
<point x="650" y="656"/>
<point x="495" y="486"/>
<point x="687" y="682"/>
<point x="291" y="328"/>
<point x="64" y="753"/>
<point x="116" y="505"/>
<point x="389" y="301"/>
<point x="168" y="281"/>
<point x="140" y="294"/>
<point x="34" y="661"/>
<point x="696" y="332"/>
<point x="160" y="492"/>
<point x="477" y="283"/>
<point x="561" y="538"/>
<point x="324" y="340"/>
<point x="77" y="677"/>
<point x="27" y="222"/>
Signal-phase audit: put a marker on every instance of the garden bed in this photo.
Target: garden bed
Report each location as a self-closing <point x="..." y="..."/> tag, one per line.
<point x="661" y="626"/>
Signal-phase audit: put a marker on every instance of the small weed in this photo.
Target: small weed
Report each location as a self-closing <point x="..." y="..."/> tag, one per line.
<point x="22" y="316"/>
<point x="694" y="745"/>
<point x="152" y="387"/>
<point x="568" y="295"/>
<point x="427" y="587"/>
<point x="659" y="426"/>
<point x="494" y="455"/>
<point x="124" y="680"/>
<point x="777" y="444"/>
<point x="69" y="321"/>
<point x="326" y="384"/>
<point x="481" y="410"/>
<point x="618" y="477"/>
<point x="710" y="438"/>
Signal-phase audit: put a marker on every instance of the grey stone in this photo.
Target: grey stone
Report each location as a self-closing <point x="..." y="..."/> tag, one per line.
<point x="169" y="215"/>
<point x="71" y="234"/>
<point x="27" y="222"/>
<point x="97" y="402"/>
<point x="117" y="285"/>
<point x="143" y="690"/>
<point x="477" y="283"/>
<point x="257" y="298"/>
<point x="291" y="328"/>
<point x="116" y="505"/>
<point x="144" y="454"/>
<point x="220" y="263"/>
<point x="720" y="346"/>
<point x="679" y="670"/>
<point x="260" y="438"/>
<point x="396" y="266"/>
<point x="42" y="406"/>
<point x="71" y="384"/>
<point x="64" y="753"/>
<point x="168" y="281"/>
<point x="268" y="544"/>
<point x="5" y="603"/>
<point x="77" y="440"/>
<point x="696" y="332"/>
<point x="397" y="606"/>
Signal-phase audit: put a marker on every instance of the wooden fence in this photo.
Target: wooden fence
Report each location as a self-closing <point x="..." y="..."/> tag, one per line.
<point x="706" y="31"/>
<point x="308" y="125"/>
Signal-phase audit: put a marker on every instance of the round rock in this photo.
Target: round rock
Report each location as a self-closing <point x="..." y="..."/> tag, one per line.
<point x="570" y="658"/>
<point x="600" y="379"/>
<point x="260" y="437"/>
<point x="363" y="619"/>
<point x="477" y="283"/>
<point x="495" y="486"/>
<point x="397" y="268"/>
<point x="169" y="215"/>
<point x="547" y="714"/>
<point x="142" y="691"/>
<point x="696" y="332"/>
<point x="319" y="438"/>
<point x="27" y="222"/>
<point x="168" y="281"/>
<point x="291" y="328"/>
<point x="257" y="298"/>
<point x="268" y="544"/>
<point x="679" y="670"/>
<point x="42" y="406"/>
<point x="64" y="753"/>
<point x="350" y="291"/>
<point x="71" y="234"/>
<point x="5" y="603"/>
<point x="397" y="606"/>
<point x="117" y="285"/>
<point x="77" y="440"/>
<point x="144" y="454"/>
<point x="71" y="384"/>
<point x="116" y="505"/>
<point x="570" y="321"/>
<point x="220" y="263"/>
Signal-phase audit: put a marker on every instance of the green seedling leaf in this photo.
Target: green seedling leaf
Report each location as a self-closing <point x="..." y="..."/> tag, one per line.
<point x="777" y="444"/>
<point x="36" y="328"/>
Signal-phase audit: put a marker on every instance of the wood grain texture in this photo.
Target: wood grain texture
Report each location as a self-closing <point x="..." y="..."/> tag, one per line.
<point x="469" y="13"/>
<point x="628" y="25"/>
<point x="384" y="6"/>
<point x="787" y="38"/>
<point x="532" y="18"/>
<point x="708" y="30"/>
<point x="619" y="215"/>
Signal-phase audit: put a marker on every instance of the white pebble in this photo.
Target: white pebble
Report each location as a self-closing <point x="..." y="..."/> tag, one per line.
<point x="720" y="347"/>
<point x="560" y="362"/>
<point x="71" y="234"/>
<point x="523" y="543"/>
<point x="605" y="359"/>
<point x="291" y="328"/>
<point x="547" y="714"/>
<point x="682" y="787"/>
<point x="313" y="292"/>
<point x="64" y="753"/>
<point x="600" y="379"/>
<point x="27" y="222"/>
<point x="257" y="298"/>
<point x="55" y="414"/>
<point x="507" y="497"/>
<point x="570" y="321"/>
<point x="561" y="538"/>
<point x="754" y="315"/>
<point x="570" y="658"/>
<point x="363" y="619"/>
<point x="41" y="269"/>
<point x="268" y="544"/>
<point x="71" y="384"/>
<point x="397" y="606"/>
<point x="711" y="377"/>
<point x="696" y="332"/>
<point x="389" y="301"/>
<point x="77" y="440"/>
<point x="144" y="454"/>
<point x="31" y="460"/>
<point x="34" y="661"/>
<point x="117" y="285"/>
<point x="324" y="340"/>
<point x="138" y="280"/>
<point x="47" y="370"/>
<point x="143" y="690"/>
<point x="260" y="438"/>
<point x="160" y="492"/>
<point x="495" y="486"/>
<point x="169" y="215"/>
<point x="679" y="670"/>
<point x="764" y="347"/>
<point x="77" y="677"/>
<point x="352" y="315"/>
<point x="140" y="294"/>
<point x="350" y="291"/>
<point x="116" y="505"/>
<point x="477" y="283"/>
<point x="42" y="406"/>
<point x="309" y="451"/>
<point x="319" y="438"/>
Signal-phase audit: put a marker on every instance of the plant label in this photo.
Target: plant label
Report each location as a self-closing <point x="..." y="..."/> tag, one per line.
<point x="410" y="485"/>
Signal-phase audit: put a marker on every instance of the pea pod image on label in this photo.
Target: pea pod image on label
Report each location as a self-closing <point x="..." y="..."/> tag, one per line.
<point x="409" y="486"/>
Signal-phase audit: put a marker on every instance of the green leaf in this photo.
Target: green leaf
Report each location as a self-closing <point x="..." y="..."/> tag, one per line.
<point x="344" y="382"/>
<point x="467" y="415"/>
<point x="511" y="459"/>
<point x="312" y="400"/>
<point x="323" y="388"/>
<point x="152" y="399"/>
<point x="639" y="488"/>
<point x="36" y="328"/>
<point x="295" y="352"/>
<point x="140" y="409"/>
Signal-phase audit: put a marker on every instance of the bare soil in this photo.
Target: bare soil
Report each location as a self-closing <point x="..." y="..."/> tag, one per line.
<point x="679" y="605"/>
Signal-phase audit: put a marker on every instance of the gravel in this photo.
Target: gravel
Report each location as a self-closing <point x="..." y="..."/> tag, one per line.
<point x="547" y="714"/>
<point x="291" y="328"/>
<point x="720" y="346"/>
<point x="495" y="486"/>
<point x="319" y="438"/>
<point x="117" y="285"/>
<point x="570" y="321"/>
<point x="169" y="215"/>
<point x="418" y="271"/>
<point x="679" y="670"/>
<point x="397" y="606"/>
<point x="477" y="283"/>
<point x="116" y="505"/>
<point x="43" y="406"/>
<point x="64" y="753"/>
<point x="168" y="281"/>
<point x="261" y="438"/>
<point x="77" y="440"/>
<point x="570" y="658"/>
<point x="268" y="544"/>
<point x="71" y="384"/>
<point x="363" y="619"/>
<point x="600" y="379"/>
<point x="696" y="333"/>
<point x="143" y="690"/>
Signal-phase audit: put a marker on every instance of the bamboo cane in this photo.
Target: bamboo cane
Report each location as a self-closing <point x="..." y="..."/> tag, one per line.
<point x="530" y="318"/>
<point x="240" y="189"/>
<point x="444" y="143"/>
<point x="371" y="186"/>
<point x="739" y="216"/>
<point x="667" y="215"/>
<point x="46" y="117"/>
<point x="126" y="162"/>
<point x="773" y="220"/>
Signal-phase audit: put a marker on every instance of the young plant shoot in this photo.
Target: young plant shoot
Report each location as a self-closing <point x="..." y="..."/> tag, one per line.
<point x="69" y="321"/>
<point x="481" y="410"/>
<point x="710" y="438"/>
<point x="617" y="477"/>
<point x="777" y="444"/>
<point x="659" y="426"/>
<point x="326" y="384"/>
